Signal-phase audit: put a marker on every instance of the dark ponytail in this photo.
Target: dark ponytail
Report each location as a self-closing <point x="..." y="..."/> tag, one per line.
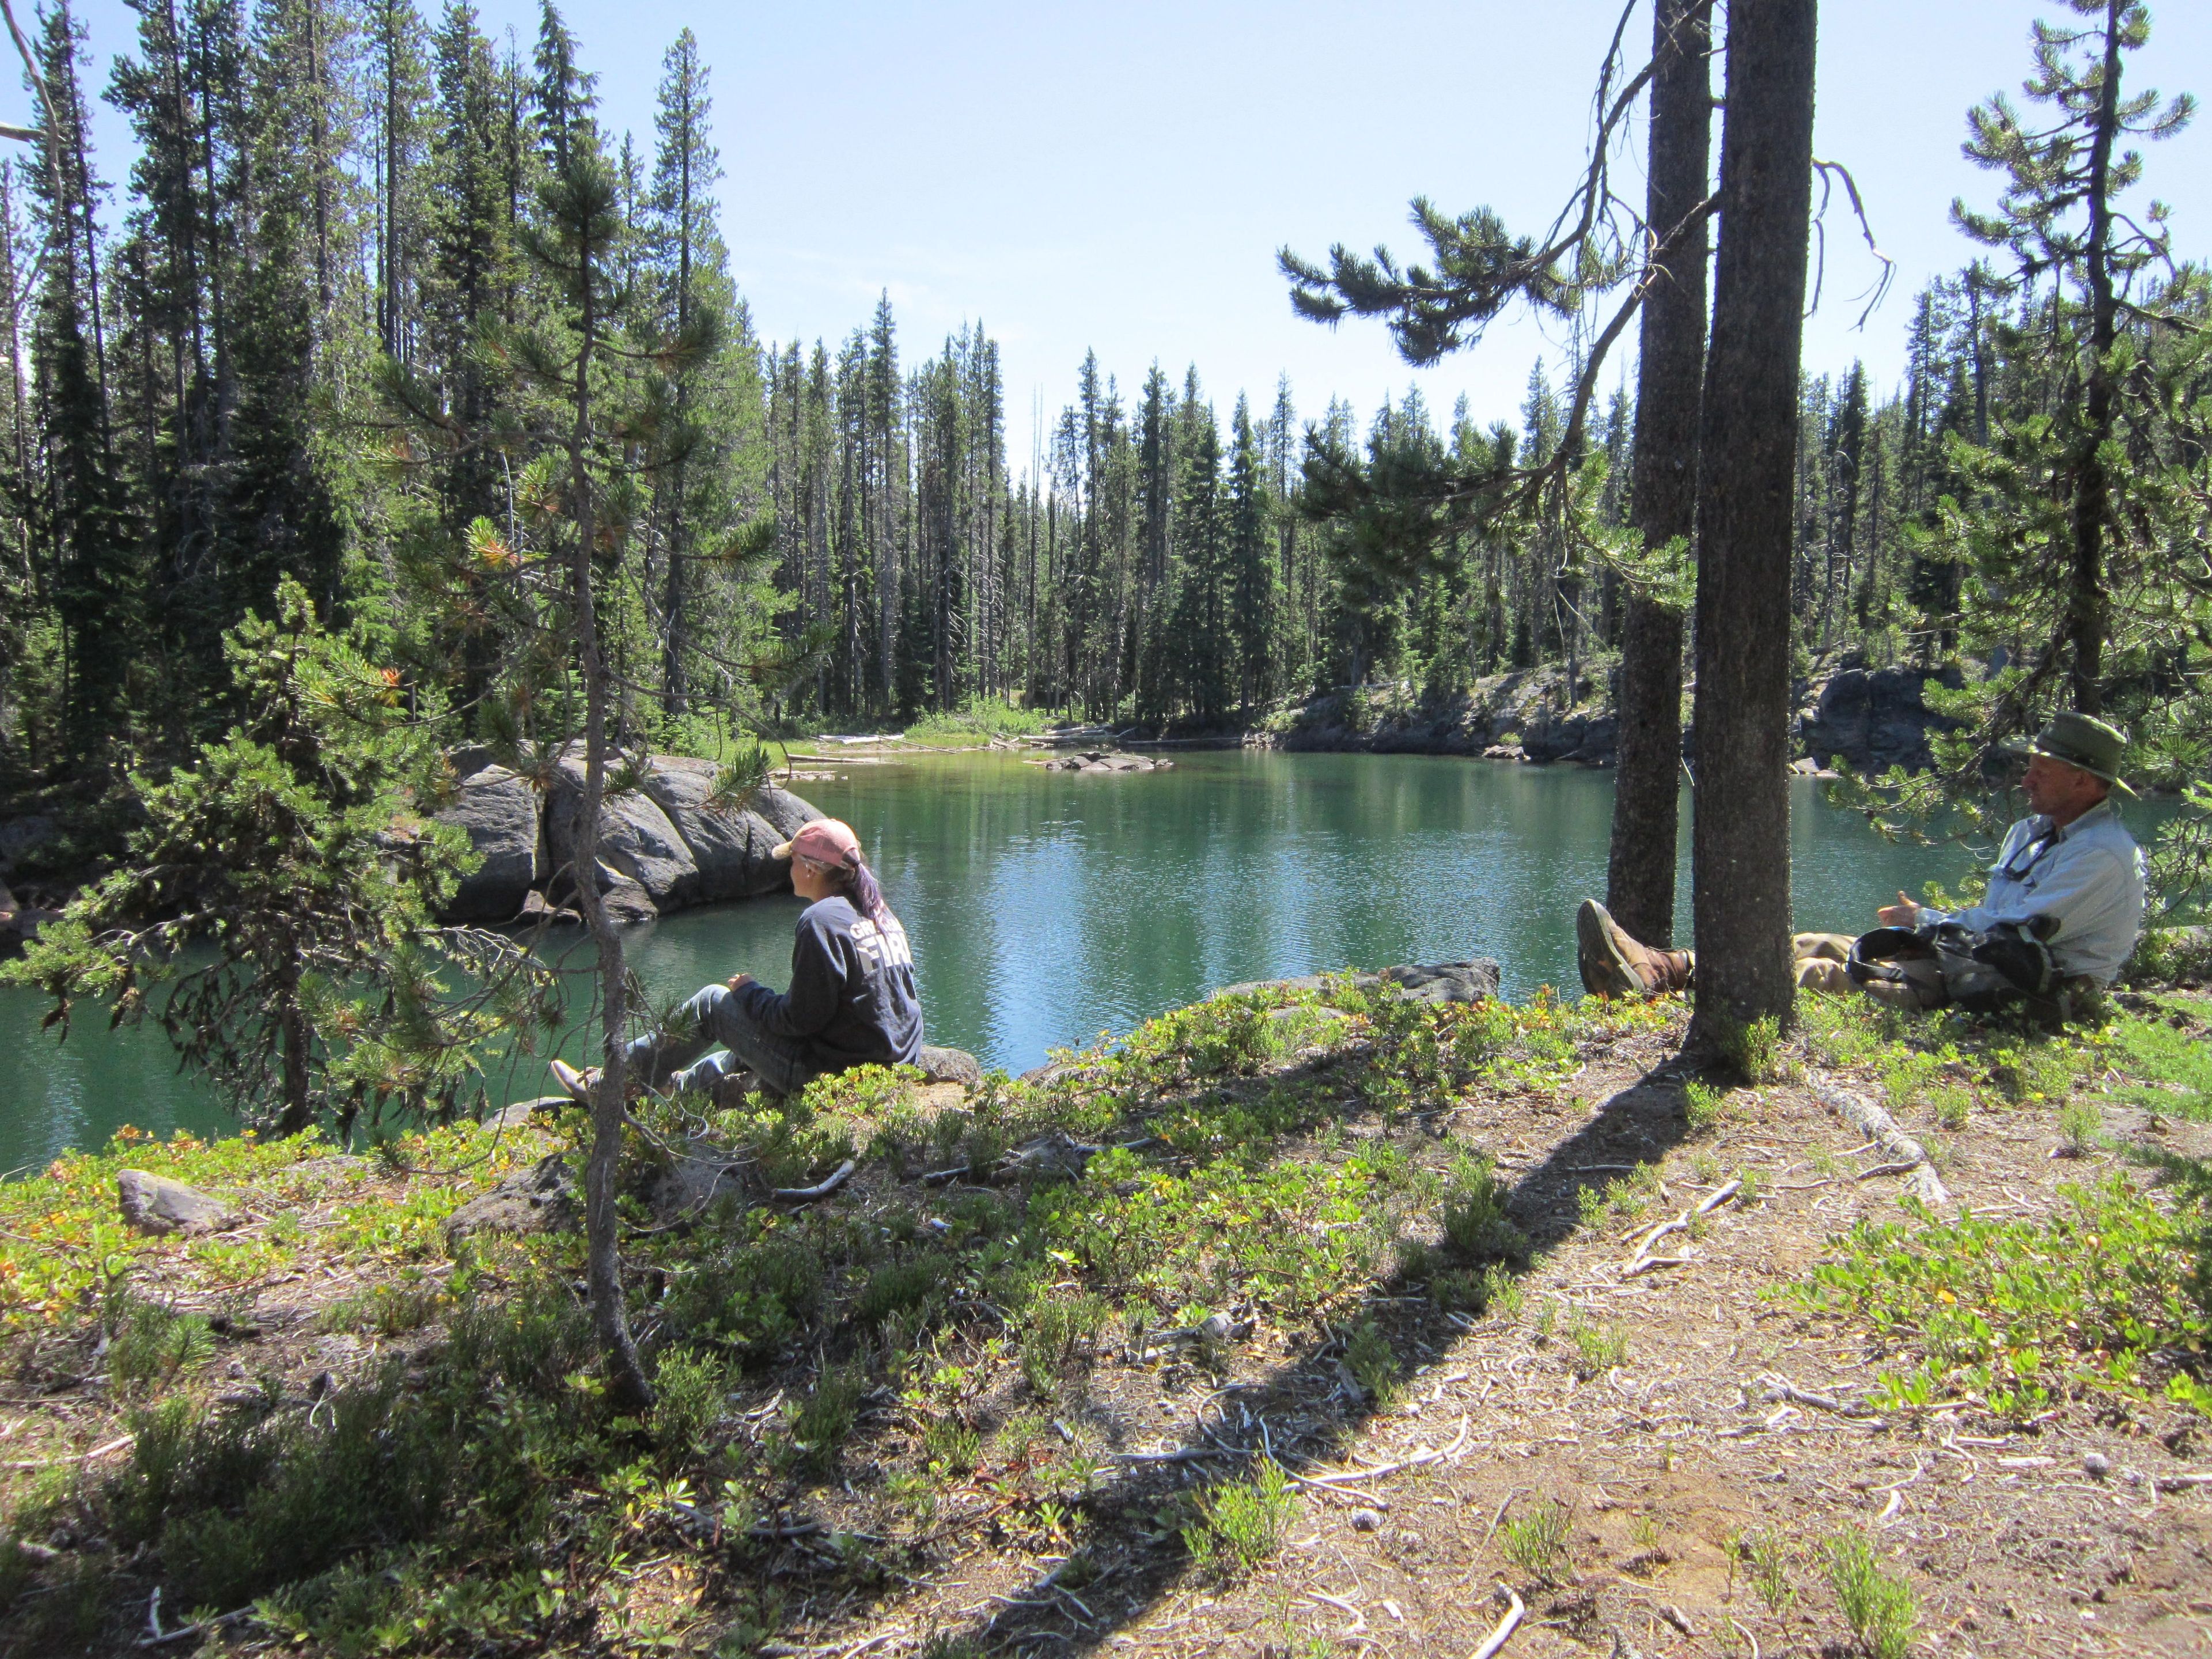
<point x="862" y="890"/>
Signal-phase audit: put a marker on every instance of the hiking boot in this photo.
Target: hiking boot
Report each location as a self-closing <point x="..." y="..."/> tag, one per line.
<point x="578" y="1084"/>
<point x="1612" y="964"/>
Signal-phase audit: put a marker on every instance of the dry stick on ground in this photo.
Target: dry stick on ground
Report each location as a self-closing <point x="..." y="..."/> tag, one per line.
<point x="1506" y="1626"/>
<point x="820" y="1189"/>
<point x="1644" y="1260"/>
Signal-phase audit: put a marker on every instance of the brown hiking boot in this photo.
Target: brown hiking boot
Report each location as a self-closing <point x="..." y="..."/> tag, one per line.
<point x="577" y="1084"/>
<point x="1612" y="964"/>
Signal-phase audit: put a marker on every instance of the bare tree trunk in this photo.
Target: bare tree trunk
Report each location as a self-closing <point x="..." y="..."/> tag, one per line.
<point x="2086" y="609"/>
<point x="296" y="1116"/>
<point x="602" y="1224"/>
<point x="1663" y="505"/>
<point x="1741" y="842"/>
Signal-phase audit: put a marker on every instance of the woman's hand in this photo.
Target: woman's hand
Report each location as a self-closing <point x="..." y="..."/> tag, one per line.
<point x="739" y="981"/>
<point x="1903" y="914"/>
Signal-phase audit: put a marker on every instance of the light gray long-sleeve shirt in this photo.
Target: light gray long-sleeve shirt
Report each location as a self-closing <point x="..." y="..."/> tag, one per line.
<point x="2090" y="875"/>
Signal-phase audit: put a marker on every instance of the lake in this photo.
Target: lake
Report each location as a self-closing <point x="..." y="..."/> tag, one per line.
<point x="1046" y="908"/>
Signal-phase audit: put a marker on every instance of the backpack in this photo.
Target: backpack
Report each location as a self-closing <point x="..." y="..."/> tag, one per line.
<point x="1981" y="971"/>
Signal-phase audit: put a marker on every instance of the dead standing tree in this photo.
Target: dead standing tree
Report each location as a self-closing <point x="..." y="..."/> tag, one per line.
<point x="1595" y="245"/>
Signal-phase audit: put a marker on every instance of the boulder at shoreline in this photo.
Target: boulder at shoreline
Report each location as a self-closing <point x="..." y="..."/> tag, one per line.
<point x="662" y="848"/>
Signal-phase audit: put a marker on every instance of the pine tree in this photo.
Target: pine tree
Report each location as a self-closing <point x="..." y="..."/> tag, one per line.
<point x="2057" y="217"/>
<point x="84" y="539"/>
<point x="1251" y="562"/>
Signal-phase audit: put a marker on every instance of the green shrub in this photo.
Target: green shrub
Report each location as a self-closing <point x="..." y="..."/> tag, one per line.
<point x="1242" y="1524"/>
<point x="1537" y="1543"/>
<point x="1769" y="1560"/>
<point x="688" y="1390"/>
<point x="1704" y="1105"/>
<point x="951" y="1447"/>
<point x="1372" y="1362"/>
<point x="897" y="1287"/>
<point x="1879" y="1606"/>
<point x="826" y="1417"/>
<point x="1598" y="1348"/>
<point x="151" y="1342"/>
<point x="752" y="1298"/>
<point x="1474" y="1221"/>
<point x="2082" y="1124"/>
<point x="2104" y="1294"/>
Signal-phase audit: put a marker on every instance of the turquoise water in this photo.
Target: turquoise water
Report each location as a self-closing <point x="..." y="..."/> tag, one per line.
<point x="1048" y="906"/>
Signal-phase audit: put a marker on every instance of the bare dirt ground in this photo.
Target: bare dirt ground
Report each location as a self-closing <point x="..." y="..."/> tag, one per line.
<point x="1721" y="1420"/>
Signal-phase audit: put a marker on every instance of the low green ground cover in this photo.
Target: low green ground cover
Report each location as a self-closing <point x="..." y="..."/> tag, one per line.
<point x="479" y="1494"/>
<point x="877" y="1366"/>
<point x="2110" y="1293"/>
<point x="979" y="719"/>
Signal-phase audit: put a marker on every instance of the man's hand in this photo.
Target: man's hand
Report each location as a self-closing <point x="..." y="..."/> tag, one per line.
<point x="739" y="981"/>
<point x="1903" y="914"/>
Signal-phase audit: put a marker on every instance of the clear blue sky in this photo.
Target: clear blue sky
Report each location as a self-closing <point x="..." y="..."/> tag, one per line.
<point x="1119" y="177"/>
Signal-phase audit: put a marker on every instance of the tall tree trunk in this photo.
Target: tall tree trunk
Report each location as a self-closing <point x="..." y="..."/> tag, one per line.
<point x="2086" y="608"/>
<point x="1663" y="505"/>
<point x="1741" y="840"/>
<point x="602" y="1223"/>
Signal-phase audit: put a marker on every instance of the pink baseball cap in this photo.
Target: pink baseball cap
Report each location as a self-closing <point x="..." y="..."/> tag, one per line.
<point x="825" y="841"/>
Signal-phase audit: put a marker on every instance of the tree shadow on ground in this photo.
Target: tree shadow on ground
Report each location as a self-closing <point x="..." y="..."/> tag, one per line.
<point x="1306" y="1412"/>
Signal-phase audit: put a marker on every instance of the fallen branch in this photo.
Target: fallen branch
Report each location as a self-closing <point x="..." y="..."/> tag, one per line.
<point x="116" y="1444"/>
<point x="1774" y="1386"/>
<point x="1642" y="1261"/>
<point x="1187" y="1454"/>
<point x="1908" y="1155"/>
<point x="820" y="1189"/>
<point x="1351" y="1494"/>
<point x="1427" y="1454"/>
<point x="1506" y="1626"/>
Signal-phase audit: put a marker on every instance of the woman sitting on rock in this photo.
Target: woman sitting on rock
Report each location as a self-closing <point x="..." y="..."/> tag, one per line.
<point x="851" y="1000"/>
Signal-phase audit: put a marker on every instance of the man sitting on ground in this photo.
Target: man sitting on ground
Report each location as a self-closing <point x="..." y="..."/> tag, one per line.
<point x="2069" y="880"/>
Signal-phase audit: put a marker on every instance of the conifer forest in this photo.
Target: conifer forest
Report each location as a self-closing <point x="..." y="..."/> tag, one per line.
<point x="424" y="572"/>
<point x="312" y="343"/>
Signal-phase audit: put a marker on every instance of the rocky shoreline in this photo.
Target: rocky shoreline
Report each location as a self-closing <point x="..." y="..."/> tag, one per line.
<point x="665" y="845"/>
<point x="1872" y="719"/>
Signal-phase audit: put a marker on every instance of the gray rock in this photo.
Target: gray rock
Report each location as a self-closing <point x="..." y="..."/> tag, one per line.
<point x="1877" y="719"/>
<point x="784" y="811"/>
<point x="1446" y="981"/>
<point x="951" y="1065"/>
<point x="628" y="903"/>
<point x="25" y="835"/>
<point x="539" y="1199"/>
<point x="498" y="811"/>
<point x="730" y="1093"/>
<point x="637" y="843"/>
<point x="700" y="1173"/>
<point x="155" y="1204"/>
<point x="731" y="853"/>
<point x="526" y="1114"/>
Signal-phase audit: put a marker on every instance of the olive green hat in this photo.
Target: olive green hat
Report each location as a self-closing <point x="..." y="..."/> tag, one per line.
<point x="2085" y="744"/>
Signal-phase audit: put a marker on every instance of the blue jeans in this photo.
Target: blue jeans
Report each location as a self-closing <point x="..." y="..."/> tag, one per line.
<point x="670" y="1059"/>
